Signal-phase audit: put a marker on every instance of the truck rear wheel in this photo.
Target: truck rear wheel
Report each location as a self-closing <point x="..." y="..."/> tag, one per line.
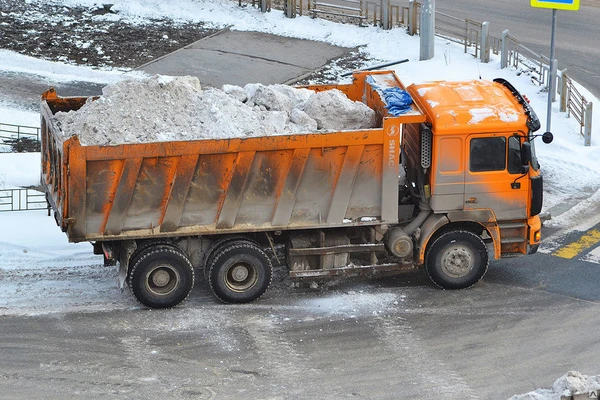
<point x="240" y="272"/>
<point x="456" y="260"/>
<point x="161" y="276"/>
<point x="214" y="248"/>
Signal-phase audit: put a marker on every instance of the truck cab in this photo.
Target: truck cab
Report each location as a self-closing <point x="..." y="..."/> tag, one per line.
<point x="475" y="154"/>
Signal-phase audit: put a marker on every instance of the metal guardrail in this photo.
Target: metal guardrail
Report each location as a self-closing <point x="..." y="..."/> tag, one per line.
<point x="10" y="131"/>
<point x="372" y="12"/>
<point x="467" y="32"/>
<point x="264" y="5"/>
<point x="518" y="56"/>
<point x="20" y="138"/>
<point x="351" y="9"/>
<point x="23" y="200"/>
<point x="464" y="31"/>
<point x="573" y="102"/>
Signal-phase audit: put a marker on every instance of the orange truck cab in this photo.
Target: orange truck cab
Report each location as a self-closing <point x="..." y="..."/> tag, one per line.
<point x="478" y="162"/>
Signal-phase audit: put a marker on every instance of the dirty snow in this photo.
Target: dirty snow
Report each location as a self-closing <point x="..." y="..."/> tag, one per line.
<point x="176" y="108"/>
<point x="504" y="114"/>
<point x="320" y="105"/>
<point x="573" y="382"/>
<point x="469" y="93"/>
<point x="58" y="72"/>
<point x="353" y="303"/>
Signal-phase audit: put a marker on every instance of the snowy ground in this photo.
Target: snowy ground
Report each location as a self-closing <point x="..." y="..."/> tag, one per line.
<point x="69" y="278"/>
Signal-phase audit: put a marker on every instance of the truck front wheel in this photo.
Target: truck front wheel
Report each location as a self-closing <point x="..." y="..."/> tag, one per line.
<point x="239" y="272"/>
<point x="456" y="260"/>
<point x="161" y="277"/>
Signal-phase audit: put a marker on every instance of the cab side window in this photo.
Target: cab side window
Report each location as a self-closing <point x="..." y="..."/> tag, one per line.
<point x="487" y="154"/>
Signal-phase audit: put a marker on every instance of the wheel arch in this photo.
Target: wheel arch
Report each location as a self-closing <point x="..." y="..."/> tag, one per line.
<point x="475" y="221"/>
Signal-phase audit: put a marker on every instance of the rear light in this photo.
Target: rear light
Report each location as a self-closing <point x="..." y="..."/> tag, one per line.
<point x="108" y="251"/>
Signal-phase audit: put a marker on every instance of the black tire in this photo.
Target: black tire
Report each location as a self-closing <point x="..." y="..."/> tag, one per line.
<point x="240" y="272"/>
<point x="456" y="260"/>
<point x="214" y="248"/>
<point x="161" y="276"/>
<point x="142" y="246"/>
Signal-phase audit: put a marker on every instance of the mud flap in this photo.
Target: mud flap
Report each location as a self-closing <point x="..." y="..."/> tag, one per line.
<point x="533" y="249"/>
<point x="122" y="276"/>
<point x="127" y="249"/>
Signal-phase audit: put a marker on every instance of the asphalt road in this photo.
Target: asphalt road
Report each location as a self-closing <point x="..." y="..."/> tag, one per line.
<point x="396" y="338"/>
<point x="577" y="47"/>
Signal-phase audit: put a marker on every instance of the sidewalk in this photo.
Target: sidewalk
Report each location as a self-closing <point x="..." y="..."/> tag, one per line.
<point x="238" y="58"/>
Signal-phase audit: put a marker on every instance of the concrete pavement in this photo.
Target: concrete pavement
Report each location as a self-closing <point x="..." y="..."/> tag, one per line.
<point x="238" y="58"/>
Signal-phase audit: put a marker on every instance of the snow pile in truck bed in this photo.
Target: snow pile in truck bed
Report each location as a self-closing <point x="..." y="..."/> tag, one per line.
<point x="176" y="108"/>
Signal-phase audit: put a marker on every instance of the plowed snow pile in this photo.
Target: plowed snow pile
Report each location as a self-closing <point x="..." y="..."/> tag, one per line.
<point x="176" y="108"/>
<point x="569" y="384"/>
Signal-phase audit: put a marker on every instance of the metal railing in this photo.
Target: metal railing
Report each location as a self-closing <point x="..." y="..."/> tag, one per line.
<point x="372" y="12"/>
<point x="515" y="55"/>
<point x="346" y="9"/>
<point x="495" y="44"/>
<point x="574" y="103"/>
<point x="10" y="131"/>
<point x="264" y="5"/>
<point x="23" y="200"/>
<point x="464" y="31"/>
<point x="467" y="32"/>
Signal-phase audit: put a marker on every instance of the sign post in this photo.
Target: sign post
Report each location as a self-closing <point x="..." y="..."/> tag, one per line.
<point x="572" y="5"/>
<point x="427" y="30"/>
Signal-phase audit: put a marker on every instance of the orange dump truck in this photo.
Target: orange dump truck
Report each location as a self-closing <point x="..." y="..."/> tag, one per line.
<point x="431" y="187"/>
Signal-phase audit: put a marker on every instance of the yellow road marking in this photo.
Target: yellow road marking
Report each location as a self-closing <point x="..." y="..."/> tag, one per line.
<point x="585" y="242"/>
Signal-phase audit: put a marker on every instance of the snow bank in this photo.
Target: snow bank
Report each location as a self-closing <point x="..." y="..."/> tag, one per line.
<point x="176" y="108"/>
<point x="11" y="61"/>
<point x="19" y="170"/>
<point x="571" y="383"/>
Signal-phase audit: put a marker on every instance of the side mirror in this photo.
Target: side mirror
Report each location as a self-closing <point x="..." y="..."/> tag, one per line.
<point x="547" y="137"/>
<point x="526" y="153"/>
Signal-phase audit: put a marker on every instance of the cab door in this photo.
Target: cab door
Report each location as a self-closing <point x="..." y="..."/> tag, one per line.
<point x="494" y="176"/>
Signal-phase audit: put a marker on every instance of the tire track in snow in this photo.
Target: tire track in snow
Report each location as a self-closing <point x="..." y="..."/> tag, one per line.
<point x="280" y="356"/>
<point x="429" y="374"/>
<point x="151" y="370"/>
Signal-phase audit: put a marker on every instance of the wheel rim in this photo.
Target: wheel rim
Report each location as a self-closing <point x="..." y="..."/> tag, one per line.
<point x="162" y="280"/>
<point x="241" y="276"/>
<point x="457" y="261"/>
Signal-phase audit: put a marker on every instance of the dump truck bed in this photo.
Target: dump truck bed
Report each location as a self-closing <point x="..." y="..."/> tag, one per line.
<point x="206" y="187"/>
